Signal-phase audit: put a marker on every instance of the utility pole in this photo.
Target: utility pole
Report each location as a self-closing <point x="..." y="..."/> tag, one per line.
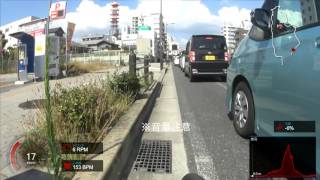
<point x="167" y="47"/>
<point x="161" y="37"/>
<point x="66" y="61"/>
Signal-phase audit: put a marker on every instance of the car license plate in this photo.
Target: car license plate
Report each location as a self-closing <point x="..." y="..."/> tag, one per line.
<point x="210" y="58"/>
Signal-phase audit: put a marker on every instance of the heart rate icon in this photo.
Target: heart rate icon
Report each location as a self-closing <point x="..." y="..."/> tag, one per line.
<point x="67" y="166"/>
<point x="66" y="147"/>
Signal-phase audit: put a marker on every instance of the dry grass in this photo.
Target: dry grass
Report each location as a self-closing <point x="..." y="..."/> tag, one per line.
<point x="94" y="66"/>
<point x="77" y="68"/>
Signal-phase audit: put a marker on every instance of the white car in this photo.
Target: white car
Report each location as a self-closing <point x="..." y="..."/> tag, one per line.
<point x="182" y="60"/>
<point x="176" y="60"/>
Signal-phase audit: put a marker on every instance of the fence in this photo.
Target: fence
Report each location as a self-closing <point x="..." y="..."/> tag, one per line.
<point x="110" y="57"/>
<point x="8" y="65"/>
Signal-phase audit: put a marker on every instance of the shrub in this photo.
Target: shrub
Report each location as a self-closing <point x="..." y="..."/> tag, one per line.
<point x="80" y="114"/>
<point x="125" y="83"/>
<point x="87" y="108"/>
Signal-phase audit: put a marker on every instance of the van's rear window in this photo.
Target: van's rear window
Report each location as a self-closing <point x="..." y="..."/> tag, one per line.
<point x="208" y="42"/>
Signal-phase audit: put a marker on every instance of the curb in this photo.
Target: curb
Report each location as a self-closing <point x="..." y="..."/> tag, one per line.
<point x="120" y="143"/>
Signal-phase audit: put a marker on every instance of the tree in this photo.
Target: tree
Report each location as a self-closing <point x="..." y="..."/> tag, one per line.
<point x="12" y="53"/>
<point x="3" y="42"/>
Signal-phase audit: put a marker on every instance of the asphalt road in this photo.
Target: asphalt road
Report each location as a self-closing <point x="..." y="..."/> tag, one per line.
<point x="214" y="150"/>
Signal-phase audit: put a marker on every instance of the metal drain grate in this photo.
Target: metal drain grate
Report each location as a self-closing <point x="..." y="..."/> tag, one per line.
<point x="154" y="156"/>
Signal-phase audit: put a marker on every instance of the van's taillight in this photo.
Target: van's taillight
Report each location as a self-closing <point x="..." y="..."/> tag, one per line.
<point x="226" y="56"/>
<point x="192" y="56"/>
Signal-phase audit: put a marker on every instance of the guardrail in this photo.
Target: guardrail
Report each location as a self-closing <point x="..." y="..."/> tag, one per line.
<point x="133" y="69"/>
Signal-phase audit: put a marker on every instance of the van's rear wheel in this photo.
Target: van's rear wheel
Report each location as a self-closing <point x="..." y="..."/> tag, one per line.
<point x="243" y="110"/>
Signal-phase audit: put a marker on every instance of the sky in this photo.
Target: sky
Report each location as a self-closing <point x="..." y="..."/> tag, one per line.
<point x="92" y="16"/>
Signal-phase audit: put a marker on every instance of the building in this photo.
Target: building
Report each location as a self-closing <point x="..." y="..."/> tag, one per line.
<point x="229" y="32"/>
<point x="134" y="26"/>
<point x="155" y="21"/>
<point x="143" y="27"/>
<point x="233" y="35"/>
<point x="14" y="27"/>
<point x="128" y="38"/>
<point x="35" y="27"/>
<point x="309" y="13"/>
<point x="77" y="47"/>
<point x="136" y="22"/>
<point x="100" y="42"/>
<point x="173" y="46"/>
<point x="240" y="33"/>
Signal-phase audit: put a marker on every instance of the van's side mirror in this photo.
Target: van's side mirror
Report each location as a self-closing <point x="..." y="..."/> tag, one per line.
<point x="261" y="18"/>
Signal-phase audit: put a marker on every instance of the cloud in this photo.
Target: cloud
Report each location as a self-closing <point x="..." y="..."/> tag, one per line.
<point x="190" y="17"/>
<point x="89" y="15"/>
<point x="234" y="15"/>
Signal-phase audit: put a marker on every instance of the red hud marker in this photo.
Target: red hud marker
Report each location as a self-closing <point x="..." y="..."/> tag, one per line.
<point x="67" y="166"/>
<point x="293" y="51"/>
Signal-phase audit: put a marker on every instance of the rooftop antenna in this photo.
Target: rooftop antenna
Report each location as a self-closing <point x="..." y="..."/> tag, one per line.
<point x="114" y="20"/>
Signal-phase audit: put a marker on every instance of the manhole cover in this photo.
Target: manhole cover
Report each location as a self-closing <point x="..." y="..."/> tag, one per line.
<point x="154" y="156"/>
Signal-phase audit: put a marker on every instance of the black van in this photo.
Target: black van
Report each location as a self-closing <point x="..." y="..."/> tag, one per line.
<point x="206" y="55"/>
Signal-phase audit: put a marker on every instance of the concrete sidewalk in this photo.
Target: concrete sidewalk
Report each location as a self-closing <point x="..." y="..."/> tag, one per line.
<point x="165" y="124"/>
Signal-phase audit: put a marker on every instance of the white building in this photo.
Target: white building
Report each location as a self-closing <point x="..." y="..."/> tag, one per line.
<point x="128" y="37"/>
<point x="14" y="27"/>
<point x="229" y="33"/>
<point x="234" y="34"/>
<point x="173" y="45"/>
<point x="144" y="27"/>
<point x="154" y="20"/>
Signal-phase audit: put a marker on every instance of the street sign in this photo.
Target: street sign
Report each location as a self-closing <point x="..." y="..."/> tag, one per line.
<point x="144" y="28"/>
<point x="58" y="10"/>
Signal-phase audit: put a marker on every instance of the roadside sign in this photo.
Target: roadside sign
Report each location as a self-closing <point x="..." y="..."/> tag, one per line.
<point x="58" y="10"/>
<point x="40" y="45"/>
<point x="144" y="28"/>
<point x="70" y="30"/>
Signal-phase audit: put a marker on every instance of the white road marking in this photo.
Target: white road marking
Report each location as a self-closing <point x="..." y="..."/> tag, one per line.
<point x="203" y="160"/>
<point x="222" y="85"/>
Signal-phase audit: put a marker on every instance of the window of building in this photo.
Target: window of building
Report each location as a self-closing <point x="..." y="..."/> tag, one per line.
<point x="291" y="13"/>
